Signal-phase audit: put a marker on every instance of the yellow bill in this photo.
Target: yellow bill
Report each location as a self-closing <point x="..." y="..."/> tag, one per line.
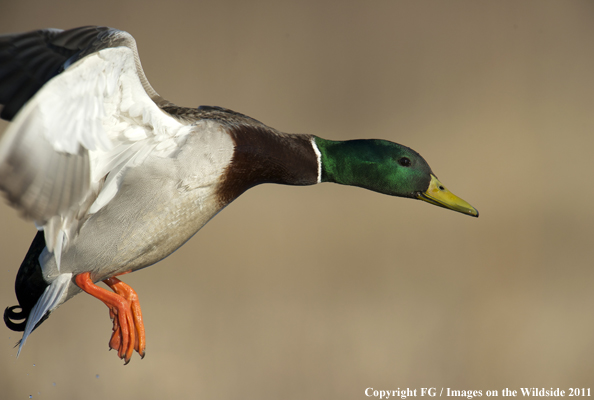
<point x="438" y="195"/>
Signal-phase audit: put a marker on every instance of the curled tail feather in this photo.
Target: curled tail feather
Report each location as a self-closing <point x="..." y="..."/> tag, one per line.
<point x="29" y="287"/>
<point x="37" y="298"/>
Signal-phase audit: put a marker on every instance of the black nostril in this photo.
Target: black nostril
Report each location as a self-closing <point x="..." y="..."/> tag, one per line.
<point x="441" y="188"/>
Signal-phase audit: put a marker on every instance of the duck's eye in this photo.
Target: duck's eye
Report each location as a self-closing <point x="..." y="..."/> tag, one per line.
<point x="404" y="161"/>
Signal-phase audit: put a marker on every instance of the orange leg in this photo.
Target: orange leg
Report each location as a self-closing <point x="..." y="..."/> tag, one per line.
<point x="124" y="309"/>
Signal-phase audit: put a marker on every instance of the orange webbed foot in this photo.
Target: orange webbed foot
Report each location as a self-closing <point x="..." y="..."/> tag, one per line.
<point x="139" y="341"/>
<point x="124" y="309"/>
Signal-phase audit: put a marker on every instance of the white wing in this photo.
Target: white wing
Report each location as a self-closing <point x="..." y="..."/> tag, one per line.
<point x="63" y="156"/>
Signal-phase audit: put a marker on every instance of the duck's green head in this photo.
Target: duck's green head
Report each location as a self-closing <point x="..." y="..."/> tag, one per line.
<point x="386" y="167"/>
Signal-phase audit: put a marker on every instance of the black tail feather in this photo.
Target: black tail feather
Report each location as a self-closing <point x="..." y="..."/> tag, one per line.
<point x="10" y="314"/>
<point x="29" y="287"/>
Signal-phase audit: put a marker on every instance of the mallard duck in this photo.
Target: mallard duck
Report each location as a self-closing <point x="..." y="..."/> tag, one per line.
<point x="116" y="178"/>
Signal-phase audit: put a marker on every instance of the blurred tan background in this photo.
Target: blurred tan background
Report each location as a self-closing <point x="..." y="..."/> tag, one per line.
<point x="321" y="292"/>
